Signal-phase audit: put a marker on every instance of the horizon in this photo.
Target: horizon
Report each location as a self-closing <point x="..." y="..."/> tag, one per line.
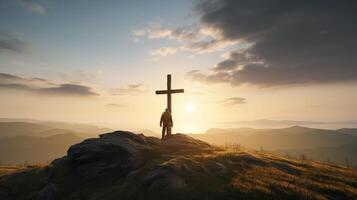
<point x="253" y="124"/>
<point x="101" y="63"/>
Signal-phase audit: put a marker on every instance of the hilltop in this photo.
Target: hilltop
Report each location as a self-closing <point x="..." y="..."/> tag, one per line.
<point x="124" y="165"/>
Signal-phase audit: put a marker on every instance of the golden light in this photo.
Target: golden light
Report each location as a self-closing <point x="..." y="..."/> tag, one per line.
<point x="189" y="107"/>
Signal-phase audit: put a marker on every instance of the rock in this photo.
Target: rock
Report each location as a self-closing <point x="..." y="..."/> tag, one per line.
<point x="181" y="142"/>
<point x="120" y="151"/>
<point x="164" y="177"/>
<point x="216" y="167"/>
<point x="50" y="169"/>
<point x="49" y="192"/>
<point x="58" y="161"/>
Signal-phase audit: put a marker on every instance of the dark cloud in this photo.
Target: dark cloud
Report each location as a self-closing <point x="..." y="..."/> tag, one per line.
<point x="12" y="44"/>
<point x="232" y="101"/>
<point x="4" y="76"/>
<point x="69" y="89"/>
<point x="292" y="42"/>
<point x="43" y="86"/>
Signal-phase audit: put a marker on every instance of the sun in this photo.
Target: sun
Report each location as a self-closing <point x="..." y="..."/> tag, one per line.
<point x="189" y="107"/>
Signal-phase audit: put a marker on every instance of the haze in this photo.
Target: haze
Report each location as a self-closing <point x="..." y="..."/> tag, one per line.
<point x="100" y="62"/>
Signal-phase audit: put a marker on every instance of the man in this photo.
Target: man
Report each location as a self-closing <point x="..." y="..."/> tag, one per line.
<point x="166" y="123"/>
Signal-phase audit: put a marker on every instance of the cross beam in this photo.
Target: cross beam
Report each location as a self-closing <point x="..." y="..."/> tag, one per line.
<point x="168" y="92"/>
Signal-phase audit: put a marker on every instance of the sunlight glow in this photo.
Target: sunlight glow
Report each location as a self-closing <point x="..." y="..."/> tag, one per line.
<point x="189" y="107"/>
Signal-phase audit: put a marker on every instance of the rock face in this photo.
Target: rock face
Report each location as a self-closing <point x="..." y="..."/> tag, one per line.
<point x="183" y="143"/>
<point x="121" y="151"/>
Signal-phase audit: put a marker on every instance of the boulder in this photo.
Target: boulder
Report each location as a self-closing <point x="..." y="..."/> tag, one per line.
<point x="120" y="151"/>
<point x="49" y="192"/>
<point x="182" y="143"/>
<point x="164" y="178"/>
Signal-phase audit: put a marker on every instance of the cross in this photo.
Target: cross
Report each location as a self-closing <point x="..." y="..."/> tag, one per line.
<point x="169" y="91"/>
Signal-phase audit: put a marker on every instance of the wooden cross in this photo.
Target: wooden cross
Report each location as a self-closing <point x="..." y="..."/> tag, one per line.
<point x="169" y="91"/>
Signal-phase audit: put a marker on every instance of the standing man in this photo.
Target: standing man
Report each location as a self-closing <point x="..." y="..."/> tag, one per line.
<point x="166" y="123"/>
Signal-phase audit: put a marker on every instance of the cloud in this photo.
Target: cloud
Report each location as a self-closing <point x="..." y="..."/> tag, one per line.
<point x="43" y="86"/>
<point x="207" y="46"/>
<point x="290" y="42"/>
<point x="116" y="105"/>
<point x="156" y="31"/>
<point x="69" y="89"/>
<point x="33" y="7"/>
<point x="130" y="89"/>
<point x="81" y="75"/>
<point x="191" y="38"/>
<point x="9" y="43"/>
<point x="163" y="51"/>
<point x="232" y="101"/>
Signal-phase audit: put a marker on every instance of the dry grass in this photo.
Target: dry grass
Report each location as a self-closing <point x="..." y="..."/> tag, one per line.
<point x="277" y="176"/>
<point x="246" y="174"/>
<point x="8" y="170"/>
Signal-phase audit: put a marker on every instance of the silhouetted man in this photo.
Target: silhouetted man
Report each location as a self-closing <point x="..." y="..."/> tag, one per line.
<point x="166" y="123"/>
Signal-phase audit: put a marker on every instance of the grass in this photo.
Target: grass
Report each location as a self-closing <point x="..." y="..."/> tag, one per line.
<point x="246" y="174"/>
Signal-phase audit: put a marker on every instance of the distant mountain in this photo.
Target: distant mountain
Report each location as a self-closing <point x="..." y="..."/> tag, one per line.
<point x="86" y="130"/>
<point x="11" y="129"/>
<point x="123" y="165"/>
<point x="29" y="149"/>
<point x="40" y="141"/>
<point x="38" y="128"/>
<point x="273" y="139"/>
<point x="350" y="131"/>
<point x="344" y="154"/>
<point x="268" y="123"/>
<point x="293" y="139"/>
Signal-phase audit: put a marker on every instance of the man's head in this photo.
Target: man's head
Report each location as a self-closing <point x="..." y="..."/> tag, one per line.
<point x="166" y="110"/>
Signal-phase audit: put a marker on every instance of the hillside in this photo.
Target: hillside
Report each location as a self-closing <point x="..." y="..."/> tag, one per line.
<point x="123" y="165"/>
<point x="350" y="131"/>
<point x="16" y="127"/>
<point x="317" y="144"/>
<point x="274" y="139"/>
<point x="28" y="149"/>
<point x="39" y="141"/>
<point x="11" y="129"/>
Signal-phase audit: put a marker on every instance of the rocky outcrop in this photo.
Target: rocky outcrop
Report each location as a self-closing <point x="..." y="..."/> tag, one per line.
<point x="183" y="143"/>
<point x="121" y="151"/>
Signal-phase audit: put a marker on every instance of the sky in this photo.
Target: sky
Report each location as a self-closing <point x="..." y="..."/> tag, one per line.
<point x="100" y="62"/>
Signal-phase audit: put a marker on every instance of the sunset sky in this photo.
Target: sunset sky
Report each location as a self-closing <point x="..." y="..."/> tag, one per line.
<point x="100" y="62"/>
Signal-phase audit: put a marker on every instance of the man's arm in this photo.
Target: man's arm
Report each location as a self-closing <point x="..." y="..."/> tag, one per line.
<point x="172" y="123"/>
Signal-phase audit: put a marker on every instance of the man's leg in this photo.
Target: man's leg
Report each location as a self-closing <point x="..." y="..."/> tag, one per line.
<point x="168" y="131"/>
<point x="163" y="132"/>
